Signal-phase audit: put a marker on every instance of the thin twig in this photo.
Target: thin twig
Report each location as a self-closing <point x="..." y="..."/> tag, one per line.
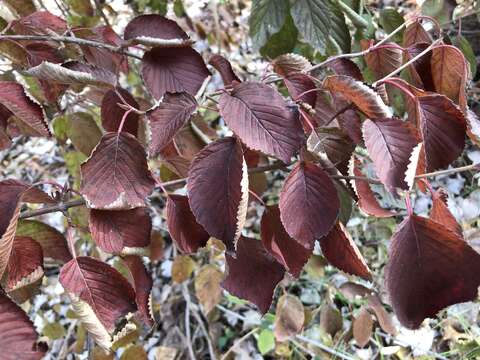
<point x="71" y="40"/>
<point x="188" y="336"/>
<point x="102" y="14"/>
<point x="211" y="349"/>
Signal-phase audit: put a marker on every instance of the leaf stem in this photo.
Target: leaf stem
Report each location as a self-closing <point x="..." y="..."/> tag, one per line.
<point x="124" y="118"/>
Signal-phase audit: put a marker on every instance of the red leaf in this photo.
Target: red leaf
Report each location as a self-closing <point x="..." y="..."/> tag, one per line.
<point x="53" y="243"/>
<point x="18" y="340"/>
<point x="449" y="70"/>
<point x="188" y="235"/>
<point x="173" y="70"/>
<point x="299" y="83"/>
<point x="112" y="114"/>
<point x="443" y="127"/>
<point x="155" y="26"/>
<point x="25" y="265"/>
<point x="341" y="251"/>
<point x="441" y="214"/>
<point x="430" y="268"/>
<point x="366" y="198"/>
<point x="168" y="118"/>
<point x="389" y="143"/>
<point x="243" y="274"/>
<point x="365" y="98"/>
<point x="280" y="245"/>
<point x="223" y="66"/>
<point x="113" y="231"/>
<point x="116" y="175"/>
<point x="218" y="190"/>
<point x="30" y="113"/>
<point x="307" y="190"/>
<point x="382" y="60"/>
<point x="143" y="286"/>
<point x="101" y="286"/>
<point x="343" y="66"/>
<point x="12" y="194"/>
<point x="260" y="117"/>
<point x="420" y="70"/>
<point x="39" y="23"/>
<point x="101" y="57"/>
<point x="415" y="33"/>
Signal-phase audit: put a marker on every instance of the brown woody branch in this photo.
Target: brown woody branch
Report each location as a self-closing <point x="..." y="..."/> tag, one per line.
<point x="259" y="169"/>
<point x="71" y="40"/>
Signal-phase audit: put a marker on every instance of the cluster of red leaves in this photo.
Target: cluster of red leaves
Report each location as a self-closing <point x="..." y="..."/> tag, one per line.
<point x="430" y="264"/>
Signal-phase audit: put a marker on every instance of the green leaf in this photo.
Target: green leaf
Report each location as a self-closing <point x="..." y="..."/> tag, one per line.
<point x="345" y="204"/>
<point x="312" y="19"/>
<point x="266" y="19"/>
<point x="354" y="17"/>
<point x="54" y="331"/>
<point x="462" y="43"/>
<point x="282" y="42"/>
<point x="339" y="33"/>
<point x="179" y="9"/>
<point x="265" y="341"/>
<point x="21" y="7"/>
<point x="84" y="132"/>
<point x="60" y="128"/>
<point x="81" y="7"/>
<point x="390" y="19"/>
<point x="441" y="10"/>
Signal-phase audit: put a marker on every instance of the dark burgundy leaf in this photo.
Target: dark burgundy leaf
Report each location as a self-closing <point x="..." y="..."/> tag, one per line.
<point x="38" y="52"/>
<point x="30" y="113"/>
<point x="188" y="235"/>
<point x="173" y="70"/>
<point x="441" y="214"/>
<point x="99" y="285"/>
<point x="299" y="83"/>
<point x="101" y="57"/>
<point x="18" y="340"/>
<point x="112" y="114"/>
<point x="341" y="251"/>
<point x="218" y="190"/>
<point x="39" y="23"/>
<point x="153" y="26"/>
<point x="12" y="194"/>
<point x="307" y="190"/>
<point x="442" y="127"/>
<point x="223" y="66"/>
<point x="168" y="118"/>
<point x="143" y="283"/>
<point x="253" y="274"/>
<point x="260" y="117"/>
<point x="421" y="69"/>
<point x="113" y="231"/>
<point x="389" y="143"/>
<point x="343" y="66"/>
<point x="25" y="265"/>
<point x="365" y="98"/>
<point x="116" y="175"/>
<point x="430" y="268"/>
<point x="366" y="198"/>
<point x="280" y="245"/>
<point x="332" y="142"/>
